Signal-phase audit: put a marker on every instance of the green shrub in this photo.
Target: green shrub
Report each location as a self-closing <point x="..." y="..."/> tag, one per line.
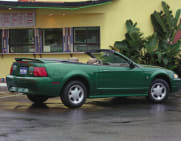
<point x="159" y="48"/>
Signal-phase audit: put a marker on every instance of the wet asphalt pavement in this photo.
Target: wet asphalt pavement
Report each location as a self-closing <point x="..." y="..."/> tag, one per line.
<point x="110" y="119"/>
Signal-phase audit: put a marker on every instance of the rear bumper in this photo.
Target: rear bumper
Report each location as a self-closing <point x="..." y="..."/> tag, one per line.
<point x="176" y="85"/>
<point x="32" y="85"/>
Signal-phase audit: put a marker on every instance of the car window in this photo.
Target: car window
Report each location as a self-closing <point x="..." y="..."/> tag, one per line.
<point x="109" y="58"/>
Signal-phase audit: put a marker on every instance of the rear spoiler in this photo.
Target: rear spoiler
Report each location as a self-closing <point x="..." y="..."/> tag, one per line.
<point x="29" y="59"/>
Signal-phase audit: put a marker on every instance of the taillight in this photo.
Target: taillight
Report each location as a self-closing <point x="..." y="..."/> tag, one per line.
<point x="40" y="72"/>
<point x="11" y="70"/>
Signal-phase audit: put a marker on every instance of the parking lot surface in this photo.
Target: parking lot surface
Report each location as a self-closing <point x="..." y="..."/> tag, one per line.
<point x="109" y="119"/>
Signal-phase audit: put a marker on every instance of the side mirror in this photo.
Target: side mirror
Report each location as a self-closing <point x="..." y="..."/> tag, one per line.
<point x="131" y="65"/>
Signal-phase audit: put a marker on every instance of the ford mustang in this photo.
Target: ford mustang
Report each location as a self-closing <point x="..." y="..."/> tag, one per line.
<point x="106" y="73"/>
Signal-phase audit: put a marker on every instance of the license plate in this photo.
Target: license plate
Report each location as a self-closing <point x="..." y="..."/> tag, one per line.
<point x="22" y="90"/>
<point x="23" y="70"/>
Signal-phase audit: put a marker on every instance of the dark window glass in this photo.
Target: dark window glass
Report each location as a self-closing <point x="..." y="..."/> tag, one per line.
<point x="110" y="58"/>
<point x="86" y="38"/>
<point x="21" y="41"/>
<point x="52" y="40"/>
<point x="0" y="41"/>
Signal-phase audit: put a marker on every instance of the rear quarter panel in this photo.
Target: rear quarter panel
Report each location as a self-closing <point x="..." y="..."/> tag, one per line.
<point x="60" y="73"/>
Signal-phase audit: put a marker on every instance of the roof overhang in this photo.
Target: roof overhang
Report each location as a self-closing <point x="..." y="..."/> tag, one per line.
<point x="54" y="5"/>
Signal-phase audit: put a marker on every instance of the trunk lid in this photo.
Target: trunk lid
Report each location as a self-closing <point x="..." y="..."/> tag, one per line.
<point x="25" y="66"/>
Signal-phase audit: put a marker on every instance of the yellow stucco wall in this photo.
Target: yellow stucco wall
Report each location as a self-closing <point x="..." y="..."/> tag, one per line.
<point x="111" y="19"/>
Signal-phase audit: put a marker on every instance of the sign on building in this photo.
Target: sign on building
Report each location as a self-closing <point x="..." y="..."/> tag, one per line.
<point x="26" y="19"/>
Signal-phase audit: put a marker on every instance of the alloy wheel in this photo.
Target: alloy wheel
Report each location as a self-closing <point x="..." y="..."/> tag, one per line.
<point x="76" y="94"/>
<point x="158" y="91"/>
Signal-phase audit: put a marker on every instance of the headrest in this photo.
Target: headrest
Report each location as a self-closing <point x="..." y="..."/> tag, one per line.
<point x="92" y="61"/>
<point x="74" y="59"/>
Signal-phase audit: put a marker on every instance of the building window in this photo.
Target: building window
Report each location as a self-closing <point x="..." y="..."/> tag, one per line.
<point x="52" y="40"/>
<point x="21" y="41"/>
<point x="86" y="38"/>
<point x="1" y="41"/>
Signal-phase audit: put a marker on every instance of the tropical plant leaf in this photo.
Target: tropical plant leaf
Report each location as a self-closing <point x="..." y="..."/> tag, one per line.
<point x="159" y="56"/>
<point x="165" y="61"/>
<point x="157" y="19"/>
<point x="151" y="43"/>
<point x="120" y="44"/>
<point x="177" y="16"/>
<point x="167" y="14"/>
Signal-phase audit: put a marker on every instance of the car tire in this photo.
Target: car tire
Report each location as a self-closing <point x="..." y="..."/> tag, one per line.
<point x="74" y="94"/>
<point x="37" y="99"/>
<point x="159" y="91"/>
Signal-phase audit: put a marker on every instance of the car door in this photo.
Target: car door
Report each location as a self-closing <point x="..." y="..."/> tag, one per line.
<point x="112" y="80"/>
<point x="116" y="77"/>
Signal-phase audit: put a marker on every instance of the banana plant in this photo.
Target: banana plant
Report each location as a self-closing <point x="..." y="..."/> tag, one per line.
<point x="133" y="42"/>
<point x="162" y="48"/>
<point x="150" y="47"/>
<point x="165" y="23"/>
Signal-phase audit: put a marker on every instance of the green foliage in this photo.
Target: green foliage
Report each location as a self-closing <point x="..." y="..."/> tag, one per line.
<point x="165" y="24"/>
<point x="161" y="56"/>
<point x="133" y="42"/>
<point x="166" y="56"/>
<point x="150" y="47"/>
<point x="157" y="49"/>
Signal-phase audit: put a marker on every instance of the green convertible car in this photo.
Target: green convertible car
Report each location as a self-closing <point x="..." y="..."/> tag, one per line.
<point x="106" y="73"/>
